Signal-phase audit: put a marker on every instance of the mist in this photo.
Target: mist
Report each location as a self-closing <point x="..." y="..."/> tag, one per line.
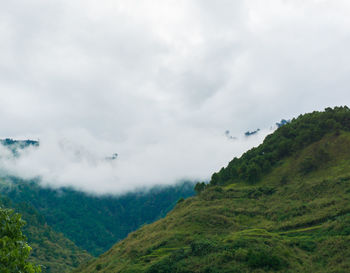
<point x="76" y="159"/>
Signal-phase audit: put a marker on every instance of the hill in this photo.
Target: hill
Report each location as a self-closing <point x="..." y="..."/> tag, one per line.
<point x="50" y="249"/>
<point x="59" y="224"/>
<point x="94" y="223"/>
<point x="282" y="207"/>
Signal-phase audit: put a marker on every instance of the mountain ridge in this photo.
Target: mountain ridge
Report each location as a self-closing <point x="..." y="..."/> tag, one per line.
<point x="292" y="215"/>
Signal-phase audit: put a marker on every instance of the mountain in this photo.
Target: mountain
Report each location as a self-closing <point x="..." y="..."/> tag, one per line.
<point x="70" y="211"/>
<point x="283" y="206"/>
<point x="94" y="223"/>
<point x="59" y="226"/>
<point x="15" y="145"/>
<point x="51" y="249"/>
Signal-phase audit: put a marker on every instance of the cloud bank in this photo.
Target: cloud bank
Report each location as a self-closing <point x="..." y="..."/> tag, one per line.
<point x="159" y="82"/>
<point x="77" y="160"/>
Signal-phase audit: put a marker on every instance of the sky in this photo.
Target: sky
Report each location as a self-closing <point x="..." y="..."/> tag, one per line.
<point x="160" y="82"/>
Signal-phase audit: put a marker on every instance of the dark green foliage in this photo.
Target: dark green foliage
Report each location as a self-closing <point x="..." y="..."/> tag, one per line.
<point x="161" y="267"/>
<point x="178" y="255"/>
<point x="260" y="258"/>
<point x="285" y="141"/>
<point x="307" y="245"/>
<point x="259" y="191"/>
<point x="215" y="178"/>
<point x="51" y="250"/>
<point x="253" y="172"/>
<point x="202" y="247"/>
<point x="70" y="212"/>
<point x="14" y="250"/>
<point x="314" y="161"/>
<point x="308" y="165"/>
<point x="199" y="187"/>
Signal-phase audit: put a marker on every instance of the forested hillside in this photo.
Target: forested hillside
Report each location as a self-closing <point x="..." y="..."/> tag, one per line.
<point x="94" y="223"/>
<point x="50" y="249"/>
<point x="284" y="206"/>
<point x="285" y="141"/>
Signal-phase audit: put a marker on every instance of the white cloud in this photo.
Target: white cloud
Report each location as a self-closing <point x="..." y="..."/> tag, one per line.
<point x="159" y="78"/>
<point x="77" y="159"/>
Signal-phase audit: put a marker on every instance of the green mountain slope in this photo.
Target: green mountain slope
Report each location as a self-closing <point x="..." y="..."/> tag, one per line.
<point x="95" y="223"/>
<point x="282" y="207"/>
<point x="50" y="249"/>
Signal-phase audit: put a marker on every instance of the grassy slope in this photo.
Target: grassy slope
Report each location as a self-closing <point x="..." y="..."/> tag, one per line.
<point x="50" y="249"/>
<point x="288" y="222"/>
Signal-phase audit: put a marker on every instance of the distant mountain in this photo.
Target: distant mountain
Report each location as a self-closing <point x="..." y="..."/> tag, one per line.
<point x="281" y="207"/>
<point x="21" y="144"/>
<point x="16" y="145"/>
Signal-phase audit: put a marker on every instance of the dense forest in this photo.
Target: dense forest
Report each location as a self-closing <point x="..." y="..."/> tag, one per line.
<point x="50" y="249"/>
<point x="95" y="223"/>
<point x="282" y="207"/>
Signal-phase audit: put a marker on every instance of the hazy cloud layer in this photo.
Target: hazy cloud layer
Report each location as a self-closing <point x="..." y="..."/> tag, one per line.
<point x="77" y="159"/>
<point x="159" y="82"/>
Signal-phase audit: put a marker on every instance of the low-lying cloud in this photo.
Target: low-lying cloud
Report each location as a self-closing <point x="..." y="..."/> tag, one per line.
<point x="77" y="160"/>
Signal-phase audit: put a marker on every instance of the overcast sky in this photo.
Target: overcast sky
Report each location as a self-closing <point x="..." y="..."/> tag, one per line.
<point x="159" y="82"/>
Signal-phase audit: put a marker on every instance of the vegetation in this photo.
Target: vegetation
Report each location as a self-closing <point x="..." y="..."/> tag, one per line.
<point x="14" y="250"/>
<point x="70" y="212"/>
<point x="282" y="207"/>
<point x="288" y="139"/>
<point x="94" y="223"/>
<point x="50" y="249"/>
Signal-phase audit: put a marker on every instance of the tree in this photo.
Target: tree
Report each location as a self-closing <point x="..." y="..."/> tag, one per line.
<point x="253" y="173"/>
<point x="215" y="179"/>
<point x="14" y="250"/>
<point x="199" y="187"/>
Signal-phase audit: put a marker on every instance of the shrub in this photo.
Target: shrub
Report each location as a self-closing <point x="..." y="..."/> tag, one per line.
<point x="199" y="187"/>
<point x="263" y="259"/>
<point x="202" y="247"/>
<point x="180" y="200"/>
